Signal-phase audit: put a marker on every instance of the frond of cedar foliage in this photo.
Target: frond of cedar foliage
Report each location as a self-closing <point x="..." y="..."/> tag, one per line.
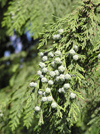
<point x="21" y="73"/>
<point x="88" y="40"/>
<point x="35" y="15"/>
<point x="3" y="9"/>
<point x="81" y="28"/>
<point x="91" y="90"/>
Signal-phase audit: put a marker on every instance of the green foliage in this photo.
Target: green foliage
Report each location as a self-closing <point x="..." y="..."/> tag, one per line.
<point x="81" y="28"/>
<point x="3" y="8"/>
<point x="3" y="2"/>
<point x="91" y="106"/>
<point x="34" y="15"/>
<point x="15" y="79"/>
<point x="79" y="47"/>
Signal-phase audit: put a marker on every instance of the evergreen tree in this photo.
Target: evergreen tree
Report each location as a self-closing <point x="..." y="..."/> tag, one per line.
<point x="58" y="99"/>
